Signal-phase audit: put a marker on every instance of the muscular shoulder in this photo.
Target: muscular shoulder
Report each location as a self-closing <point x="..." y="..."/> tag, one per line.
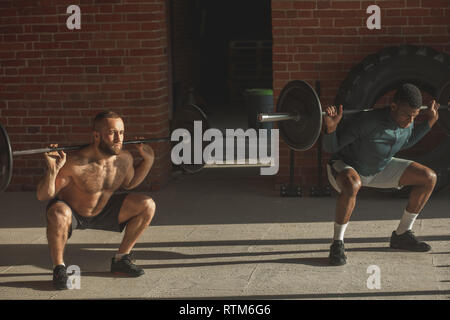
<point x="127" y="157"/>
<point x="372" y="120"/>
<point x="371" y="117"/>
<point x="359" y="124"/>
<point x="75" y="159"/>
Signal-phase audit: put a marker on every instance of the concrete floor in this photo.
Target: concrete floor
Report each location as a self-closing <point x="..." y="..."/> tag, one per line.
<point x="226" y="234"/>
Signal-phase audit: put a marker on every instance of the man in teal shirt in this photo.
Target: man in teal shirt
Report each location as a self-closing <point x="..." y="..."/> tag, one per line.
<point x="363" y="155"/>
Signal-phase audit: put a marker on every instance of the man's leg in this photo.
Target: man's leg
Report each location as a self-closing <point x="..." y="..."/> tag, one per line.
<point x="138" y="210"/>
<point x="422" y="179"/>
<point x="349" y="182"/>
<point x="59" y="220"/>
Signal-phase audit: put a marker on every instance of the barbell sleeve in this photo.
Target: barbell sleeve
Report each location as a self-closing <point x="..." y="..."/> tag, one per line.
<point x="278" y="116"/>
<point x="77" y="147"/>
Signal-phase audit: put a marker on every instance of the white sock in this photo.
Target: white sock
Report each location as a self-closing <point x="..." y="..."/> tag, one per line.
<point x="406" y="223"/>
<point x="119" y="256"/>
<point x="339" y="230"/>
<point x="61" y="264"/>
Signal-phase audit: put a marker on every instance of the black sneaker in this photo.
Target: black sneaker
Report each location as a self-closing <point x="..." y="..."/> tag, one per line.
<point x="60" y="277"/>
<point x="126" y="267"/>
<point x="337" y="253"/>
<point x="408" y="241"/>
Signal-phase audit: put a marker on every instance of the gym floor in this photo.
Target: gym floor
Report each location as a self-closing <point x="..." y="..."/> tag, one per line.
<point x="220" y="234"/>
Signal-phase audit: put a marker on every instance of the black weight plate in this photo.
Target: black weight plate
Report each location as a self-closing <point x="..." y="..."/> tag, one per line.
<point x="184" y="118"/>
<point x="299" y="97"/>
<point x="6" y="160"/>
<point x="444" y="114"/>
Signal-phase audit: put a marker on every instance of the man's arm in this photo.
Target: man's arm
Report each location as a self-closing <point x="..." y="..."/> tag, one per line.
<point x="418" y="132"/>
<point x="49" y="186"/>
<point x="135" y="176"/>
<point x="332" y="141"/>
<point x="55" y="177"/>
<point x="423" y="128"/>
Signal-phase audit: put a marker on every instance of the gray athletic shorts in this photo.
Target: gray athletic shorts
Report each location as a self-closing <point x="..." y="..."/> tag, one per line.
<point x="389" y="177"/>
<point x="107" y="219"/>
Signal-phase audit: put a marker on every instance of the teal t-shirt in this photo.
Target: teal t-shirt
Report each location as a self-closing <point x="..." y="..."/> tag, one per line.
<point x="370" y="141"/>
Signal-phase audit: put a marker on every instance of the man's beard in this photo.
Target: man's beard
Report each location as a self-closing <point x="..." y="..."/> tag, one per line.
<point x="110" y="150"/>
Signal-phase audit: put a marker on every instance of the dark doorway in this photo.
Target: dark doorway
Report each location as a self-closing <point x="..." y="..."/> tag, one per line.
<point x="221" y="48"/>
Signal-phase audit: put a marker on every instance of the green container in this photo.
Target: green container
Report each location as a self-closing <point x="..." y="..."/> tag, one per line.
<point x="258" y="101"/>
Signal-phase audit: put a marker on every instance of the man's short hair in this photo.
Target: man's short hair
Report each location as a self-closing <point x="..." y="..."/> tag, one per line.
<point x="104" y="115"/>
<point x="410" y="94"/>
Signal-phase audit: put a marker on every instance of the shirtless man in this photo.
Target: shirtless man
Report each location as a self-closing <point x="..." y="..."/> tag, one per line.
<point x="81" y="192"/>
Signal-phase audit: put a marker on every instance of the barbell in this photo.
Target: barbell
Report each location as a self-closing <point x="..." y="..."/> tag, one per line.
<point x="184" y="117"/>
<point x="299" y="114"/>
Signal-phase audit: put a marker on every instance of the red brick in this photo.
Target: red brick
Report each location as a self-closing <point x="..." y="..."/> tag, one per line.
<point x="387" y="4"/>
<point x="391" y="13"/>
<point x="282" y="4"/>
<point x="415" y="21"/>
<point x="436" y="3"/>
<point x="278" y="14"/>
<point x="303" y="40"/>
<point x="388" y="21"/>
<point x="108" y="69"/>
<point x="14" y="113"/>
<point x="306" y="57"/>
<point x="437" y="12"/>
<point x="13" y="63"/>
<point x="44" y="28"/>
<point x="323" y="4"/>
<point x="99" y="18"/>
<point x="417" y="12"/>
<point x="304" y="5"/>
<point x="434" y="39"/>
<point x="413" y="3"/>
<point x="436" y="20"/>
<point x="349" y="22"/>
<point x="280" y="23"/>
<point x="345" y="4"/>
<point x="416" y="30"/>
<point x="330" y="31"/>
<point x="35" y="121"/>
<point x="305" y="23"/>
<point x="282" y="58"/>
<point x="66" y="36"/>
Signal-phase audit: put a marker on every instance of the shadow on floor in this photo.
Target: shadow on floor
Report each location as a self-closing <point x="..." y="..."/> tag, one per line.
<point x="97" y="257"/>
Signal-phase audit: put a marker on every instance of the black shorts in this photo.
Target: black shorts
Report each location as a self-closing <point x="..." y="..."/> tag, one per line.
<point x="107" y="219"/>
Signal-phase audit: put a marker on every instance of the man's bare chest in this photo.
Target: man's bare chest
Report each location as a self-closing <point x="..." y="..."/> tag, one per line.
<point x="94" y="177"/>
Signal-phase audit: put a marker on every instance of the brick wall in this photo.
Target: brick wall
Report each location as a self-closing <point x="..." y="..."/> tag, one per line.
<point x="54" y="80"/>
<point x="322" y="40"/>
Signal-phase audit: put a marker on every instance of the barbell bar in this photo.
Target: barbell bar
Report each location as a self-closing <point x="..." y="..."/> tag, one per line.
<point x="280" y="116"/>
<point x="299" y="114"/>
<point x="184" y="118"/>
<point x="78" y="147"/>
